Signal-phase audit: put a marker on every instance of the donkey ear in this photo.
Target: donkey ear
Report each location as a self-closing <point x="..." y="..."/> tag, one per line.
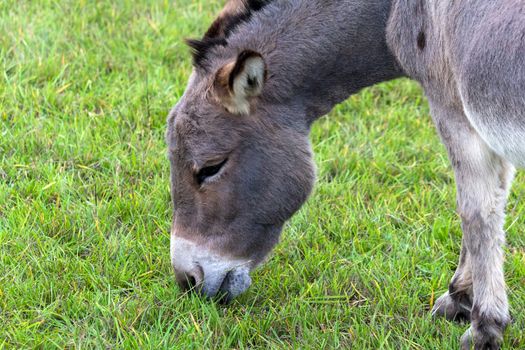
<point x="237" y="83"/>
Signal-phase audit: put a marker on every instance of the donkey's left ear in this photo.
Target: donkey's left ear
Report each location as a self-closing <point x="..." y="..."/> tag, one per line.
<point x="239" y="82"/>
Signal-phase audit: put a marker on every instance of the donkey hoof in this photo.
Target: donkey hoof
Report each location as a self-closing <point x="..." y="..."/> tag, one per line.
<point x="481" y="340"/>
<point x="466" y="340"/>
<point x="453" y="309"/>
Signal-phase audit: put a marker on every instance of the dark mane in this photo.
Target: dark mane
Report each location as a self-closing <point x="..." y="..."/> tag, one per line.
<point x="235" y="13"/>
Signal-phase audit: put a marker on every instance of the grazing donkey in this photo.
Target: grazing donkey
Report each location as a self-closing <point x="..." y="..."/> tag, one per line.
<point x="241" y="162"/>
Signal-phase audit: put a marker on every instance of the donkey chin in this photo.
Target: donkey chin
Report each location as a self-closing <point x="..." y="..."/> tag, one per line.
<point x="212" y="275"/>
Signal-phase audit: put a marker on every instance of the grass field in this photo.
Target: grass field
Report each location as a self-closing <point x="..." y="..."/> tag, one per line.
<point x="85" y="88"/>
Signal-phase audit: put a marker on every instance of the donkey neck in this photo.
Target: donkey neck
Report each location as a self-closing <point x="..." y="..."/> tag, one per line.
<point x="319" y="52"/>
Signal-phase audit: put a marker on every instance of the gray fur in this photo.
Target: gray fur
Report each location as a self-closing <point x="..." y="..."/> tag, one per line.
<point x="467" y="55"/>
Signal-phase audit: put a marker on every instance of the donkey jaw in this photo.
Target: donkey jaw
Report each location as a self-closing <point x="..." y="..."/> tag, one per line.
<point x="211" y="274"/>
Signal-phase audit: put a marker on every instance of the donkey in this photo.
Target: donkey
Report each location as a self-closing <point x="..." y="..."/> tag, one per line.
<point x="241" y="161"/>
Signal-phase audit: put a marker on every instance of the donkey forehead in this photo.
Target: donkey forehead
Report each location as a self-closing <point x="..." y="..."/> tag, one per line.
<point x="202" y="119"/>
<point x="204" y="137"/>
<point x="202" y="126"/>
<point x="196" y="113"/>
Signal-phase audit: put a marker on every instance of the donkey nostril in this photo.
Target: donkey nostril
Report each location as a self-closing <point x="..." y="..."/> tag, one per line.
<point x="189" y="280"/>
<point x="186" y="282"/>
<point x="192" y="281"/>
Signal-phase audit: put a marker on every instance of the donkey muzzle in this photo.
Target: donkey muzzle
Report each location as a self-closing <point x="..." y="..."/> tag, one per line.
<point x="201" y="270"/>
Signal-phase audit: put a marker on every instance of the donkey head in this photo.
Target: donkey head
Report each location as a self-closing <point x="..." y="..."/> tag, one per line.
<point x="237" y="174"/>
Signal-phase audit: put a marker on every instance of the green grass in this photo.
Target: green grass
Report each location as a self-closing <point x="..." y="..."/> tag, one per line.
<point x="85" y="88"/>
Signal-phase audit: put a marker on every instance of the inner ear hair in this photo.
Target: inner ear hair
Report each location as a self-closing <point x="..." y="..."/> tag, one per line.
<point x="241" y="80"/>
<point x="241" y="63"/>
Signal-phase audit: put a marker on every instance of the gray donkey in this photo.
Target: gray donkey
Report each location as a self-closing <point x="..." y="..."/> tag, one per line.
<point x="241" y="162"/>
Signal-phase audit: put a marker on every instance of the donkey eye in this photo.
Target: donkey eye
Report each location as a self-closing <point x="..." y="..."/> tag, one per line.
<point x="209" y="171"/>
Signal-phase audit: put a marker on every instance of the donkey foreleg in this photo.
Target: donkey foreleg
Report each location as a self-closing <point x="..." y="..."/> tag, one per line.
<point x="483" y="180"/>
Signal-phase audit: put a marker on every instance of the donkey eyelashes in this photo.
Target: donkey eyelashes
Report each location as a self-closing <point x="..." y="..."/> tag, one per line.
<point x="209" y="171"/>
